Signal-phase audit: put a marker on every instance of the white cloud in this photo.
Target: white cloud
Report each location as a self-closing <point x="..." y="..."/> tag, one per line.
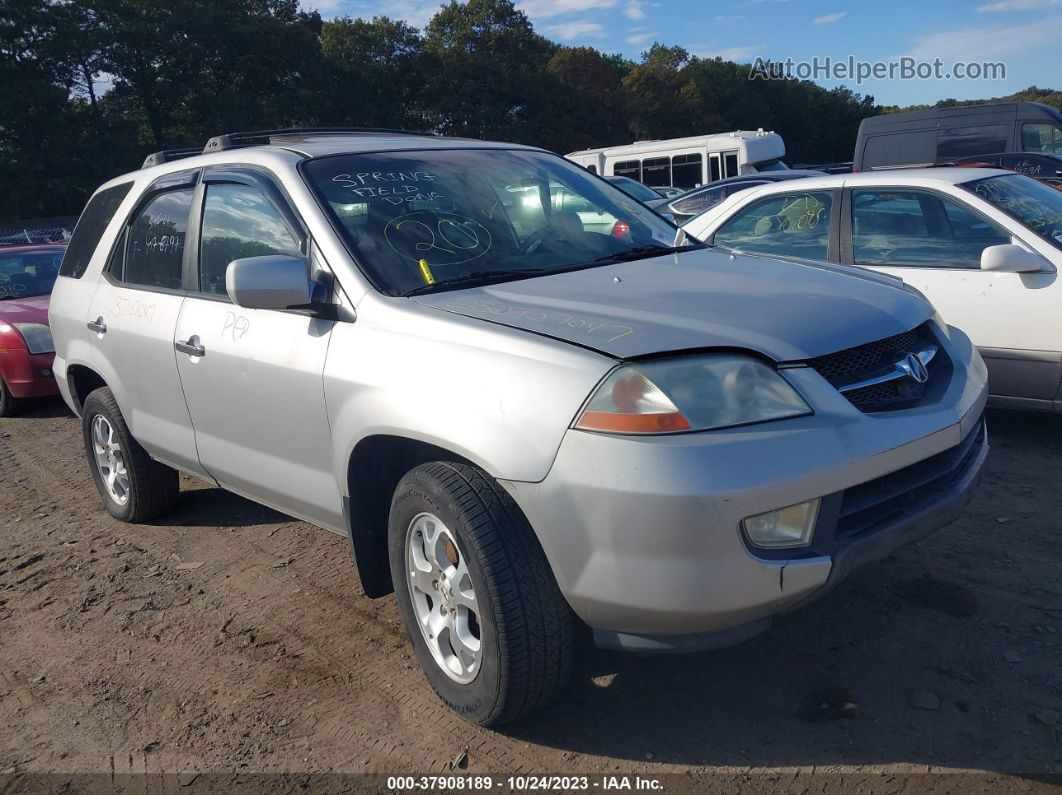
<point x="826" y="19"/>
<point x="981" y="43"/>
<point x="1017" y="5"/>
<point x="641" y="38"/>
<point x="634" y="10"/>
<point x="544" y="9"/>
<point x="580" y="28"/>
<point x="326" y="7"/>
<point x="737" y="54"/>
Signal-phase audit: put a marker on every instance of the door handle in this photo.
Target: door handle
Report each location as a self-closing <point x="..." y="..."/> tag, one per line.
<point x="97" y="325"/>
<point x="190" y="347"/>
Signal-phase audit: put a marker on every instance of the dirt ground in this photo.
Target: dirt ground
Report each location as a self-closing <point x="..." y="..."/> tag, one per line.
<point x="230" y="639"/>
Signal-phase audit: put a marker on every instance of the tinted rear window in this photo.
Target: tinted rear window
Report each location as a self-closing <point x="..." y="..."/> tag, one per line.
<point x="90" y="227"/>
<point x="970" y="141"/>
<point x="900" y="149"/>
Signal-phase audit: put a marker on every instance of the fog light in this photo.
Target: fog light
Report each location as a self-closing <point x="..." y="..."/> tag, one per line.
<point x="46" y="372"/>
<point x="788" y="527"/>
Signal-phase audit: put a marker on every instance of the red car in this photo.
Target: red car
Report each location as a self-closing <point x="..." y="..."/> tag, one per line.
<point x="27" y="274"/>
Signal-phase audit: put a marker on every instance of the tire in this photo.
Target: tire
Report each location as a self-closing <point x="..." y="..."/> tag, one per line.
<point x="149" y="489"/>
<point x="526" y="630"/>
<point x="9" y="404"/>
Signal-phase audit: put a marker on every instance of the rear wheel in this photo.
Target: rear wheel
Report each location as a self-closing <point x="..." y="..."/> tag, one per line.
<point x="9" y="404"/>
<point x="488" y="623"/>
<point x="134" y="487"/>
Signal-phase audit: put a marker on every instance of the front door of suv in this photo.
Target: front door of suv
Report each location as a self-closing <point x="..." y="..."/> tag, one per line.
<point x="133" y="315"/>
<point x="256" y="392"/>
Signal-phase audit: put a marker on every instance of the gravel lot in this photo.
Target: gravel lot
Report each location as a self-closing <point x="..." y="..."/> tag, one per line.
<point x="231" y="639"/>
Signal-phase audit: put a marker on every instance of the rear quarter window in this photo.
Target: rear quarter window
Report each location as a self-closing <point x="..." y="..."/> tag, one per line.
<point x="90" y="228"/>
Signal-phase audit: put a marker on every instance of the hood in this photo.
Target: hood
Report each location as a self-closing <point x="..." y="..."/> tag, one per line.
<point x="708" y="298"/>
<point x="25" y="310"/>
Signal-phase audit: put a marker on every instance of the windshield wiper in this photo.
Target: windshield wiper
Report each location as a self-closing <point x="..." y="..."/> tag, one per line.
<point x="642" y="252"/>
<point x="477" y="279"/>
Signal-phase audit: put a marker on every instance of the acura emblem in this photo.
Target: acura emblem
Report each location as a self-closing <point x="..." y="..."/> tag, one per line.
<point x="914" y="368"/>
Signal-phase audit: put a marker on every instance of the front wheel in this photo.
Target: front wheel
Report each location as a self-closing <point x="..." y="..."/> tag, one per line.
<point x="9" y="404"/>
<point x="134" y="487"/>
<point x="488" y="623"/>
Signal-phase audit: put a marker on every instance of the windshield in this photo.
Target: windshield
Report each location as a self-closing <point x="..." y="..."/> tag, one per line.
<point x="770" y="165"/>
<point x="1035" y="204"/>
<point x="423" y="220"/>
<point x="24" y="274"/>
<point x="632" y="187"/>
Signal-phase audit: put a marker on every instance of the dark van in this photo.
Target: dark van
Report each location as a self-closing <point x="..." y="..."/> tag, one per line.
<point x="928" y="137"/>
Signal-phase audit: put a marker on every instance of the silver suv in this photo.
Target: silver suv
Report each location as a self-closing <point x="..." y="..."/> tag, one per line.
<point x="525" y="428"/>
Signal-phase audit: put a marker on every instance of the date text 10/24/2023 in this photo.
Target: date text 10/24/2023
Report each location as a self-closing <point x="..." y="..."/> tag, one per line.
<point x="524" y="783"/>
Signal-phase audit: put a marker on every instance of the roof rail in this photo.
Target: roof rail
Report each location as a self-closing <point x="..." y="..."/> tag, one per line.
<point x="259" y="137"/>
<point x="166" y="155"/>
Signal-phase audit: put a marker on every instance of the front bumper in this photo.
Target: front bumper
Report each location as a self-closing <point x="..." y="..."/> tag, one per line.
<point x="28" y="375"/>
<point x="643" y="533"/>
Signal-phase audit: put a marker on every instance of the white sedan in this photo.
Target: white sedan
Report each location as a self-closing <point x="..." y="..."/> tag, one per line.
<point x="984" y="245"/>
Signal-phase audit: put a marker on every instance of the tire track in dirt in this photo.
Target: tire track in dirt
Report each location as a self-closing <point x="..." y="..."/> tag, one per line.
<point x="315" y="586"/>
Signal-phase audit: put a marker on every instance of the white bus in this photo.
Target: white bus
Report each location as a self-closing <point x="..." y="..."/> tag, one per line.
<point x="687" y="162"/>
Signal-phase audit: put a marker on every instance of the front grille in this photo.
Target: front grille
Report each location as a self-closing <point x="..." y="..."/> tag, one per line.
<point x="907" y="490"/>
<point x="876" y="358"/>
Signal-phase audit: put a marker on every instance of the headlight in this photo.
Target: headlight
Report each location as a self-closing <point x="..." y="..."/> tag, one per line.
<point x="689" y="393"/>
<point x="38" y="337"/>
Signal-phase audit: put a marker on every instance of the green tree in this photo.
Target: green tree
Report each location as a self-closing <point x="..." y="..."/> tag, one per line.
<point x="660" y="99"/>
<point x="374" y="74"/>
<point x="485" y="72"/>
<point x="587" y="106"/>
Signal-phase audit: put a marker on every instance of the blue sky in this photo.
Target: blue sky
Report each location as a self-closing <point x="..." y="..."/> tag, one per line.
<point x="1022" y="34"/>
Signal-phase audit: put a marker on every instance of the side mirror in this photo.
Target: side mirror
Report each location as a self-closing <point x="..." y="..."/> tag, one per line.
<point x="275" y="281"/>
<point x="1010" y="258"/>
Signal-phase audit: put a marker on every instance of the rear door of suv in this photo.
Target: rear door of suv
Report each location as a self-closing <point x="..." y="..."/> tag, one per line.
<point x="255" y="390"/>
<point x="133" y="315"/>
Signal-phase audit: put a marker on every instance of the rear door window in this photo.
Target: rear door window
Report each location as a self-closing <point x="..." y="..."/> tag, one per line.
<point x="154" y="251"/>
<point x="788" y="224"/>
<point x="918" y="230"/>
<point x="90" y="228"/>
<point x="700" y="201"/>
